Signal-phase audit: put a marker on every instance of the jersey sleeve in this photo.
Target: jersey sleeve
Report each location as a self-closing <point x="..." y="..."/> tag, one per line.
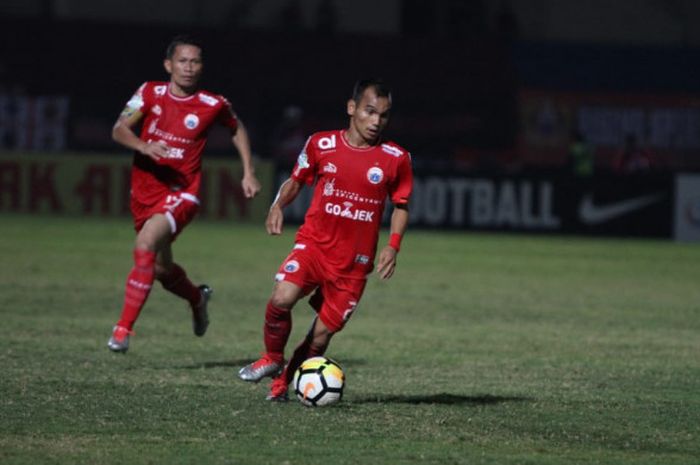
<point x="403" y="184"/>
<point x="141" y="101"/>
<point x="227" y="117"/>
<point x="305" y="167"/>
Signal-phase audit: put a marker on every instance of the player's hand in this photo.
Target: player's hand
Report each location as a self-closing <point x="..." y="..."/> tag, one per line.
<point x="155" y="150"/>
<point x="250" y="185"/>
<point x="387" y="262"/>
<point x="274" y="221"/>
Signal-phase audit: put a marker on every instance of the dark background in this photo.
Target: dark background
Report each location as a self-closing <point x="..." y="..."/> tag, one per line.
<point x="479" y="86"/>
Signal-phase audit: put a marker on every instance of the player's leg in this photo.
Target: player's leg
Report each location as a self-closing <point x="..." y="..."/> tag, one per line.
<point x="276" y="331"/>
<point x="314" y="345"/>
<point x="335" y="301"/>
<point x="174" y="279"/>
<point x="153" y="235"/>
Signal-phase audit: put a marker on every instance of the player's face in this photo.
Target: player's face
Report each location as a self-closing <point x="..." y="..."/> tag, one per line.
<point x="370" y="115"/>
<point x="185" y="67"/>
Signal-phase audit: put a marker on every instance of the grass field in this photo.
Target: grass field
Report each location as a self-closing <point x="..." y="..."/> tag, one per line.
<point x="484" y="349"/>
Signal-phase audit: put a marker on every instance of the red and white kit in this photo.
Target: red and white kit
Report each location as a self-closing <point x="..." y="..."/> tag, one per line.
<point x="171" y="184"/>
<point x="338" y="240"/>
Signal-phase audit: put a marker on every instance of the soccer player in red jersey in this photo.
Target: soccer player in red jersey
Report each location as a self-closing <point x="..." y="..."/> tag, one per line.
<point x="176" y="117"/>
<point x="354" y="171"/>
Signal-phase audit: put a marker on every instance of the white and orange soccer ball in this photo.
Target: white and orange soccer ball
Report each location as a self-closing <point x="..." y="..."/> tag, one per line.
<point x="319" y="381"/>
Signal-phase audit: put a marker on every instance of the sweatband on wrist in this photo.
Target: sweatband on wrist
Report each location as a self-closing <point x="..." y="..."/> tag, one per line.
<point x="395" y="241"/>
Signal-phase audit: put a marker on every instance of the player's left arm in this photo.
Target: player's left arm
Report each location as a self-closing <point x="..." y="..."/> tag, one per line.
<point x="250" y="184"/>
<point x="387" y="257"/>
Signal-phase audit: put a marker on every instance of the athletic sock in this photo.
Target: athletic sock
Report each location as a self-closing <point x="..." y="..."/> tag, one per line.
<point x="179" y="284"/>
<point x="278" y="326"/>
<point x="138" y="286"/>
<point x="303" y="351"/>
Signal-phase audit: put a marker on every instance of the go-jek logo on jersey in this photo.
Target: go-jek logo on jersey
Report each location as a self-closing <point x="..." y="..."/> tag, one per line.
<point x="375" y="175"/>
<point x="345" y="211"/>
<point x="191" y="121"/>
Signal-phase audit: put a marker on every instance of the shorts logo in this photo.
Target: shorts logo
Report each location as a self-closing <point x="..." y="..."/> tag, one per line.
<point x="375" y="175"/>
<point x="191" y="121"/>
<point x="291" y="266"/>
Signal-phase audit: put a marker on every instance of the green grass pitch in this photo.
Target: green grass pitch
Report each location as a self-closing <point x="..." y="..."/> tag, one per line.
<point x="483" y="349"/>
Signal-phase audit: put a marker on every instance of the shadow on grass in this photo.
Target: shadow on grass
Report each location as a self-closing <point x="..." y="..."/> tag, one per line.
<point x="216" y="364"/>
<point x="442" y="398"/>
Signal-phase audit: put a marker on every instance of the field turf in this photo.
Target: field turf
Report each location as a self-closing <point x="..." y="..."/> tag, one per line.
<point x="483" y="349"/>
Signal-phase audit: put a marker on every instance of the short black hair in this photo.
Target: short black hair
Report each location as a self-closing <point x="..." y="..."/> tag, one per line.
<point x="182" y="39"/>
<point x="380" y="87"/>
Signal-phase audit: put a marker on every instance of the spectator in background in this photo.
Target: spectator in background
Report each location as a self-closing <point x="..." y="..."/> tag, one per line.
<point x="633" y="158"/>
<point x="581" y="157"/>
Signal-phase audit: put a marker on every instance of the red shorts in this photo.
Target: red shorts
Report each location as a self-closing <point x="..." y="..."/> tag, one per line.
<point x="335" y="298"/>
<point x="179" y="208"/>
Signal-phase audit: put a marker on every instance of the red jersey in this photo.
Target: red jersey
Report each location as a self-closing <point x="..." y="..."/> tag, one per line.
<point x="183" y="124"/>
<point x="352" y="185"/>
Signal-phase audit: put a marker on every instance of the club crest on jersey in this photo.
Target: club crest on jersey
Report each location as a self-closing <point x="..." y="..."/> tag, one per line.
<point x="291" y="266"/>
<point x="191" y="121"/>
<point x="330" y="168"/>
<point x="375" y="175"/>
<point x="157" y="110"/>
<point x="160" y="90"/>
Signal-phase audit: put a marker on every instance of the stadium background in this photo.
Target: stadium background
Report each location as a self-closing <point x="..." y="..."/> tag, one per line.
<point x="487" y="97"/>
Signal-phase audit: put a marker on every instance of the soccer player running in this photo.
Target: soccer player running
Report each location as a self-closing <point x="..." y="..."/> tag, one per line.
<point x="354" y="171"/>
<point x="176" y="117"/>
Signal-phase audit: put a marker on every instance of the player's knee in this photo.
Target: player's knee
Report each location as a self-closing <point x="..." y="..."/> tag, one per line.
<point x="282" y="300"/>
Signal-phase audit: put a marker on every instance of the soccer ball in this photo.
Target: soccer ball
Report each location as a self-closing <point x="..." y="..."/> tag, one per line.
<point x="319" y="381"/>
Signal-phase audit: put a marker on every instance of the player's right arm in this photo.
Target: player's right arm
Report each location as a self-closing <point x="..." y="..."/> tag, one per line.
<point x="123" y="130"/>
<point x="303" y="173"/>
<point x="286" y="195"/>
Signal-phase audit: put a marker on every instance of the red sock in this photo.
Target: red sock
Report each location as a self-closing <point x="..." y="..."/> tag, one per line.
<point x="179" y="284"/>
<point x="278" y="326"/>
<point x="303" y="351"/>
<point x="138" y="286"/>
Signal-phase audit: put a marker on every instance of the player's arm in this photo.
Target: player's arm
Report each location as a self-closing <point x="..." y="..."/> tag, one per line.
<point x="123" y="133"/>
<point x="387" y="257"/>
<point x="250" y="184"/>
<point x="286" y="195"/>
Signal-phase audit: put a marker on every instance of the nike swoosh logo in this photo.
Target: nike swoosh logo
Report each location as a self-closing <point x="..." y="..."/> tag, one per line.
<point x="590" y="213"/>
